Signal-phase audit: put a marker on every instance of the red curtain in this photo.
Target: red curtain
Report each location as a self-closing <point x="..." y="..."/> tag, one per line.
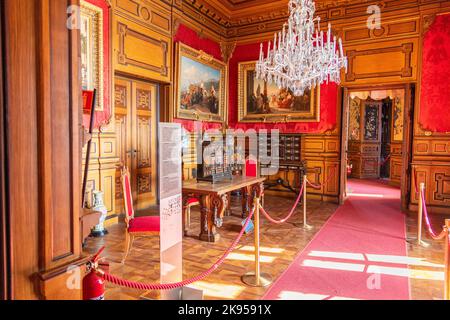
<point x="435" y="85"/>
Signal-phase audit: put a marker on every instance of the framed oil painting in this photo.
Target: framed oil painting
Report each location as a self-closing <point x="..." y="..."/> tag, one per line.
<point x="91" y="35"/>
<point x="200" y="86"/>
<point x="263" y="102"/>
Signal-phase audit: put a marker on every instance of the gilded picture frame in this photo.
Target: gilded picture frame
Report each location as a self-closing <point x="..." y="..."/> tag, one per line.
<point x="92" y="63"/>
<point x="279" y="105"/>
<point x="200" y="86"/>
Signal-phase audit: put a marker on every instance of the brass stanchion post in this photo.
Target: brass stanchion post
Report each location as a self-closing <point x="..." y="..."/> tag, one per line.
<point x="305" y="224"/>
<point x="420" y="242"/>
<point x="257" y="279"/>
<point x="447" y="262"/>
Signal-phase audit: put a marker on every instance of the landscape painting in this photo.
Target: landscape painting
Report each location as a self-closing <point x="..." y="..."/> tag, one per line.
<point x="261" y="101"/>
<point x="201" y="86"/>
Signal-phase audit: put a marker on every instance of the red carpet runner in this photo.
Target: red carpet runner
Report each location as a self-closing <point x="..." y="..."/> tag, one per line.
<point x="358" y="254"/>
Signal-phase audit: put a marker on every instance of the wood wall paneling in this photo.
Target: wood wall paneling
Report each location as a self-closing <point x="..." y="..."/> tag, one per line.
<point x="5" y="286"/>
<point x="21" y="69"/>
<point x="133" y="44"/>
<point x="382" y="62"/>
<point x="321" y="153"/>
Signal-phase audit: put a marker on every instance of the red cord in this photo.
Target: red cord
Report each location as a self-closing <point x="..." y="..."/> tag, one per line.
<point x="385" y="160"/>
<point x="290" y="213"/>
<point x="427" y="220"/>
<point x="320" y="185"/>
<point x="167" y="286"/>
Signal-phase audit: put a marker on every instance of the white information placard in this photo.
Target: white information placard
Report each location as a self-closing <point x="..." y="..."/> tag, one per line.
<point x="170" y="204"/>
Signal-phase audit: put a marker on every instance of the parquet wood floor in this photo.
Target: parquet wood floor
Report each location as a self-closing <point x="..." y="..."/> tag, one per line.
<point x="280" y="244"/>
<point x="427" y="267"/>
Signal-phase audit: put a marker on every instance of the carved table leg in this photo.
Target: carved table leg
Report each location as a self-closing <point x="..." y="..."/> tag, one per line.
<point x="246" y="202"/>
<point x="185" y="214"/>
<point x="207" y="228"/>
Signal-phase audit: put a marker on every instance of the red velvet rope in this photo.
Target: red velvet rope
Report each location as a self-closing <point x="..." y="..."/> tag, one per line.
<point x="290" y="213"/>
<point x="385" y="160"/>
<point x="427" y="220"/>
<point x="320" y="185"/>
<point x="167" y="286"/>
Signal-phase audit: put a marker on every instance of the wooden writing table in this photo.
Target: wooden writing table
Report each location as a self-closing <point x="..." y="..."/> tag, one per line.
<point x="214" y="200"/>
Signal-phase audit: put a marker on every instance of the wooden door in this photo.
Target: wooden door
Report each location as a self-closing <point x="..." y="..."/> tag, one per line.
<point x="405" y="182"/>
<point x="136" y="103"/>
<point x="344" y="146"/>
<point x="144" y="124"/>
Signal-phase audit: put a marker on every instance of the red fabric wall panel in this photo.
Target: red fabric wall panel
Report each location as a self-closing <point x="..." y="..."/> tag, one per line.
<point x="435" y="85"/>
<point x="328" y="99"/>
<point x="101" y="117"/>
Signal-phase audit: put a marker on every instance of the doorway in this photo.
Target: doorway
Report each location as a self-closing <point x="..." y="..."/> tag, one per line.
<point x="136" y="121"/>
<point x="377" y="136"/>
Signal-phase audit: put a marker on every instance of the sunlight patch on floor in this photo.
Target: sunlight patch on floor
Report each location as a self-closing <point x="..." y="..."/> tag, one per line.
<point x="218" y="290"/>
<point x="261" y="249"/>
<point x="412" y="261"/>
<point x="294" y="295"/>
<point x="339" y="255"/>
<point x="368" y="195"/>
<point x="334" y="265"/>
<point x="249" y="257"/>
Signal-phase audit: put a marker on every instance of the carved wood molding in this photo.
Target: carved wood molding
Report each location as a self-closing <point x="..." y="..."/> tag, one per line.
<point x="427" y="22"/>
<point x="124" y="32"/>
<point x="404" y="72"/>
<point x="227" y="49"/>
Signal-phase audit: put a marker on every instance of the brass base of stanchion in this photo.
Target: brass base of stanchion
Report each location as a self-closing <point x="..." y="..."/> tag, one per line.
<point x="414" y="241"/>
<point x="303" y="226"/>
<point x="264" y="280"/>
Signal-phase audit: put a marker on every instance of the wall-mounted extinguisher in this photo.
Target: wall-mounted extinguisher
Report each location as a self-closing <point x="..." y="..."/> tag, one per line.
<point x="93" y="284"/>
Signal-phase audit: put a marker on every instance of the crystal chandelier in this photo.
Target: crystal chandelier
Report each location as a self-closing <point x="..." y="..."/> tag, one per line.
<point x="300" y="58"/>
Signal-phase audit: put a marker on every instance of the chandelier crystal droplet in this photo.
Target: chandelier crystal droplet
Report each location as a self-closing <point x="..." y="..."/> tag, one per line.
<point x="300" y="57"/>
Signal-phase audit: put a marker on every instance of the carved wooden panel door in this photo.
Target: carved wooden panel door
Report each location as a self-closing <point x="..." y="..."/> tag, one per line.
<point x="136" y="122"/>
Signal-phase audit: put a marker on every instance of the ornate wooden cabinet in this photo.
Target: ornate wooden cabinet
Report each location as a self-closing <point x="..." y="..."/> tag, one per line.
<point x="291" y="167"/>
<point x="365" y="138"/>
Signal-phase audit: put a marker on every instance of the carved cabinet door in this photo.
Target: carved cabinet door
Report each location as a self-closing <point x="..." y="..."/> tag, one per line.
<point x="136" y="122"/>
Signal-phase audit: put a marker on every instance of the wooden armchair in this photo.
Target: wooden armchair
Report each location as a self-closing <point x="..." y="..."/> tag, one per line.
<point x="135" y="226"/>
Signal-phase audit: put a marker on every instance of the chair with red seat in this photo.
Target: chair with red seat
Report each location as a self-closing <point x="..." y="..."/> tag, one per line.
<point x="136" y="226"/>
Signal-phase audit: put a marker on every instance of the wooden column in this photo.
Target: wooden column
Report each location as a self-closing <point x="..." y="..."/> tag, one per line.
<point x="44" y="148"/>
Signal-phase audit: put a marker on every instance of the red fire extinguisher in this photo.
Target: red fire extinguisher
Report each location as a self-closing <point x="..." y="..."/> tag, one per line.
<point x="93" y="284"/>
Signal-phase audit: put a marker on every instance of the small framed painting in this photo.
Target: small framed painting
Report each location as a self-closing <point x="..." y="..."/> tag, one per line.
<point x="200" y="86"/>
<point x="260" y="101"/>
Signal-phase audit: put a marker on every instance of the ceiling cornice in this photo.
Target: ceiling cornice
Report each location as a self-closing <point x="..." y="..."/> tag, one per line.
<point x="241" y="21"/>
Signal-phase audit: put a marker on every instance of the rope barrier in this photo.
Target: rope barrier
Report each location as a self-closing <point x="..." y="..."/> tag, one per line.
<point x="290" y="213"/>
<point x="427" y="221"/>
<point x="385" y="160"/>
<point x="167" y="286"/>
<point x="320" y="185"/>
